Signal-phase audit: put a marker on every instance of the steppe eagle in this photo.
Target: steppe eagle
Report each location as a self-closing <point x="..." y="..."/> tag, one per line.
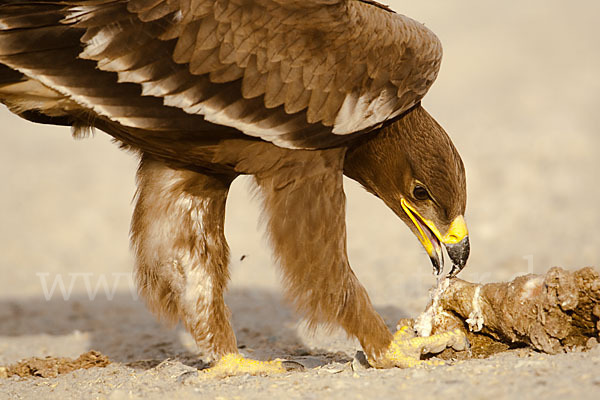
<point x="296" y="93"/>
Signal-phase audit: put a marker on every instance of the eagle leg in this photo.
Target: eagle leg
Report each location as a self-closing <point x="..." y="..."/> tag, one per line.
<point x="406" y="349"/>
<point x="304" y="203"/>
<point x="181" y="251"/>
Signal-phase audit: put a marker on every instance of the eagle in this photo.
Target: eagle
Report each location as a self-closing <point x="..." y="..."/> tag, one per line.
<point x="297" y="94"/>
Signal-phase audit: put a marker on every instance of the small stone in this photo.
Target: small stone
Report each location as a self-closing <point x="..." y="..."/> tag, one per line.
<point x="187" y="376"/>
<point x="3" y="372"/>
<point x="360" y="362"/>
<point x="291" y="365"/>
<point x="309" y="362"/>
<point x="591" y="343"/>
<point x="334" y="368"/>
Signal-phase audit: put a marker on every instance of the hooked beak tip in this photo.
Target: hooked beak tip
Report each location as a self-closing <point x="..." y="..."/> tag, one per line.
<point x="459" y="253"/>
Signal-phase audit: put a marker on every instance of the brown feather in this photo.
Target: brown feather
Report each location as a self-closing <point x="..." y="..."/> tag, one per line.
<point x="140" y="6"/>
<point x="294" y="92"/>
<point x="227" y="74"/>
<point x="315" y="105"/>
<point x="158" y="11"/>
<point x="186" y="43"/>
<point x="296" y="98"/>
<point x="207" y="37"/>
<point x="205" y="61"/>
<point x="254" y="82"/>
<point x="274" y="91"/>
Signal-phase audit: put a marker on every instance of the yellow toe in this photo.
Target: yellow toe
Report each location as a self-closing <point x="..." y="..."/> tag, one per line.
<point x="235" y="364"/>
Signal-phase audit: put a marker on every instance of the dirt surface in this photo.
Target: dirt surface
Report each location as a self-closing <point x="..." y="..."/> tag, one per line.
<point x="519" y="93"/>
<point x="51" y="367"/>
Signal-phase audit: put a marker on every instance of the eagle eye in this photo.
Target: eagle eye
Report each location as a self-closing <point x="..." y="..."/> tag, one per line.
<point x="420" y="193"/>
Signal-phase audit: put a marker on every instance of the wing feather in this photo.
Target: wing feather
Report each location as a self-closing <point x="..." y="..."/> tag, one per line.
<point x="299" y="73"/>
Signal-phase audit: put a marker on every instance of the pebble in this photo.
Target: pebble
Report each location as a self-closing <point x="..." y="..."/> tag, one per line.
<point x="591" y="343"/>
<point x="187" y="376"/>
<point x="360" y="362"/>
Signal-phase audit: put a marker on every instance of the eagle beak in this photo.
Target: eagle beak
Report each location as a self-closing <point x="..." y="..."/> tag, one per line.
<point x="457" y="244"/>
<point x="456" y="240"/>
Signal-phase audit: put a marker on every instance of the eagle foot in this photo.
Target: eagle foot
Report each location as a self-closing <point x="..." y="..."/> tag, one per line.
<point x="233" y="364"/>
<point x="406" y="348"/>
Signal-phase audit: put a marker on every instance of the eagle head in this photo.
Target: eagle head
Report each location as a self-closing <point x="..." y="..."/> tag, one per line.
<point x="412" y="165"/>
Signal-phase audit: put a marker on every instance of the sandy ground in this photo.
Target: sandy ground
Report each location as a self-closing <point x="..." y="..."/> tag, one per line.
<point x="519" y="92"/>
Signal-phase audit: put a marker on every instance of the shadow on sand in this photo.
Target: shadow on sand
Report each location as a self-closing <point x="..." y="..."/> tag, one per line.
<point x="125" y="331"/>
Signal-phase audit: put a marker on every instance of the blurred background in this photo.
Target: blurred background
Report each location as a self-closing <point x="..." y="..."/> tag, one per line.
<point x="518" y="92"/>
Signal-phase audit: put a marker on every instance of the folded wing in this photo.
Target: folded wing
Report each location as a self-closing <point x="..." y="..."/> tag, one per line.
<point x="298" y="73"/>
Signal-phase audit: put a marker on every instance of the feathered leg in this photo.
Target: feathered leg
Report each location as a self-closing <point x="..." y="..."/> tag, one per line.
<point x="181" y="252"/>
<point x="305" y="206"/>
<point x="182" y="258"/>
<point x="304" y="203"/>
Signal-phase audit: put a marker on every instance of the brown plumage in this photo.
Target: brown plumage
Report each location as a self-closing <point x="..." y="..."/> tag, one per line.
<point x="294" y="92"/>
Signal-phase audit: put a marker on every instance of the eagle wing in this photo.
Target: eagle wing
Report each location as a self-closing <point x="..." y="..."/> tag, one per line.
<point x="297" y="73"/>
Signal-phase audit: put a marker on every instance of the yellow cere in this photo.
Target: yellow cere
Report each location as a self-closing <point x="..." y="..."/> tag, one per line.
<point x="457" y="232"/>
